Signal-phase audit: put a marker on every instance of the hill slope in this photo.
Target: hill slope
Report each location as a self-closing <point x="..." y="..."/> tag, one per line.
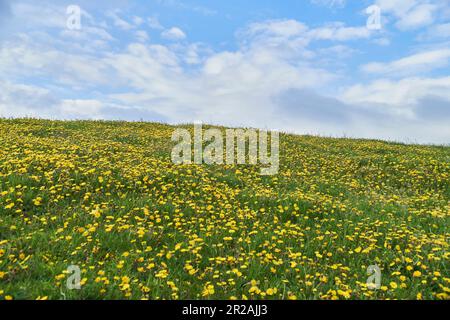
<point x="106" y="197"/>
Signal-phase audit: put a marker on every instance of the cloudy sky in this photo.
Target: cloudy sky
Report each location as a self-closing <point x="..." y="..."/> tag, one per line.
<point x="312" y="66"/>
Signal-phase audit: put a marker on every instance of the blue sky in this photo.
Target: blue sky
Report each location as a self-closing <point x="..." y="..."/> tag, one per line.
<point x="312" y="66"/>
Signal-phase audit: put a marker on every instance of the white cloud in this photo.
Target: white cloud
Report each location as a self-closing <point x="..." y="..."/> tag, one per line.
<point x="413" y="64"/>
<point x="118" y="21"/>
<point x="412" y="14"/>
<point x="276" y="28"/>
<point x="46" y="18"/>
<point x="142" y="36"/>
<point x="426" y="121"/>
<point x="19" y="100"/>
<point x="421" y="15"/>
<point x="339" y="32"/>
<point x="398" y="95"/>
<point x="55" y="16"/>
<point x="79" y="109"/>
<point x="173" y="33"/>
<point x="294" y="34"/>
<point x="153" y="23"/>
<point x="439" y="31"/>
<point x="22" y="100"/>
<point x="415" y="109"/>
<point x="137" y="21"/>
<point x="88" y="33"/>
<point x="28" y="59"/>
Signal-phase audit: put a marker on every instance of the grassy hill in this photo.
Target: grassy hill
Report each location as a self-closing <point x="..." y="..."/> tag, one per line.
<point x="106" y="197"/>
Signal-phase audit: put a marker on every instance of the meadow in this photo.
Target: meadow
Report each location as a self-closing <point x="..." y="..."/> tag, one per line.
<point x="105" y="196"/>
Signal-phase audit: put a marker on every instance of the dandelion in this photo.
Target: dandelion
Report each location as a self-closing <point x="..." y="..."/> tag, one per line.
<point x="9" y="206"/>
<point x="208" y="290"/>
<point x="162" y="274"/>
<point x="271" y="291"/>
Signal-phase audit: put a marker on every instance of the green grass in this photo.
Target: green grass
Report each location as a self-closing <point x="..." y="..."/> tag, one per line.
<point x="113" y="203"/>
